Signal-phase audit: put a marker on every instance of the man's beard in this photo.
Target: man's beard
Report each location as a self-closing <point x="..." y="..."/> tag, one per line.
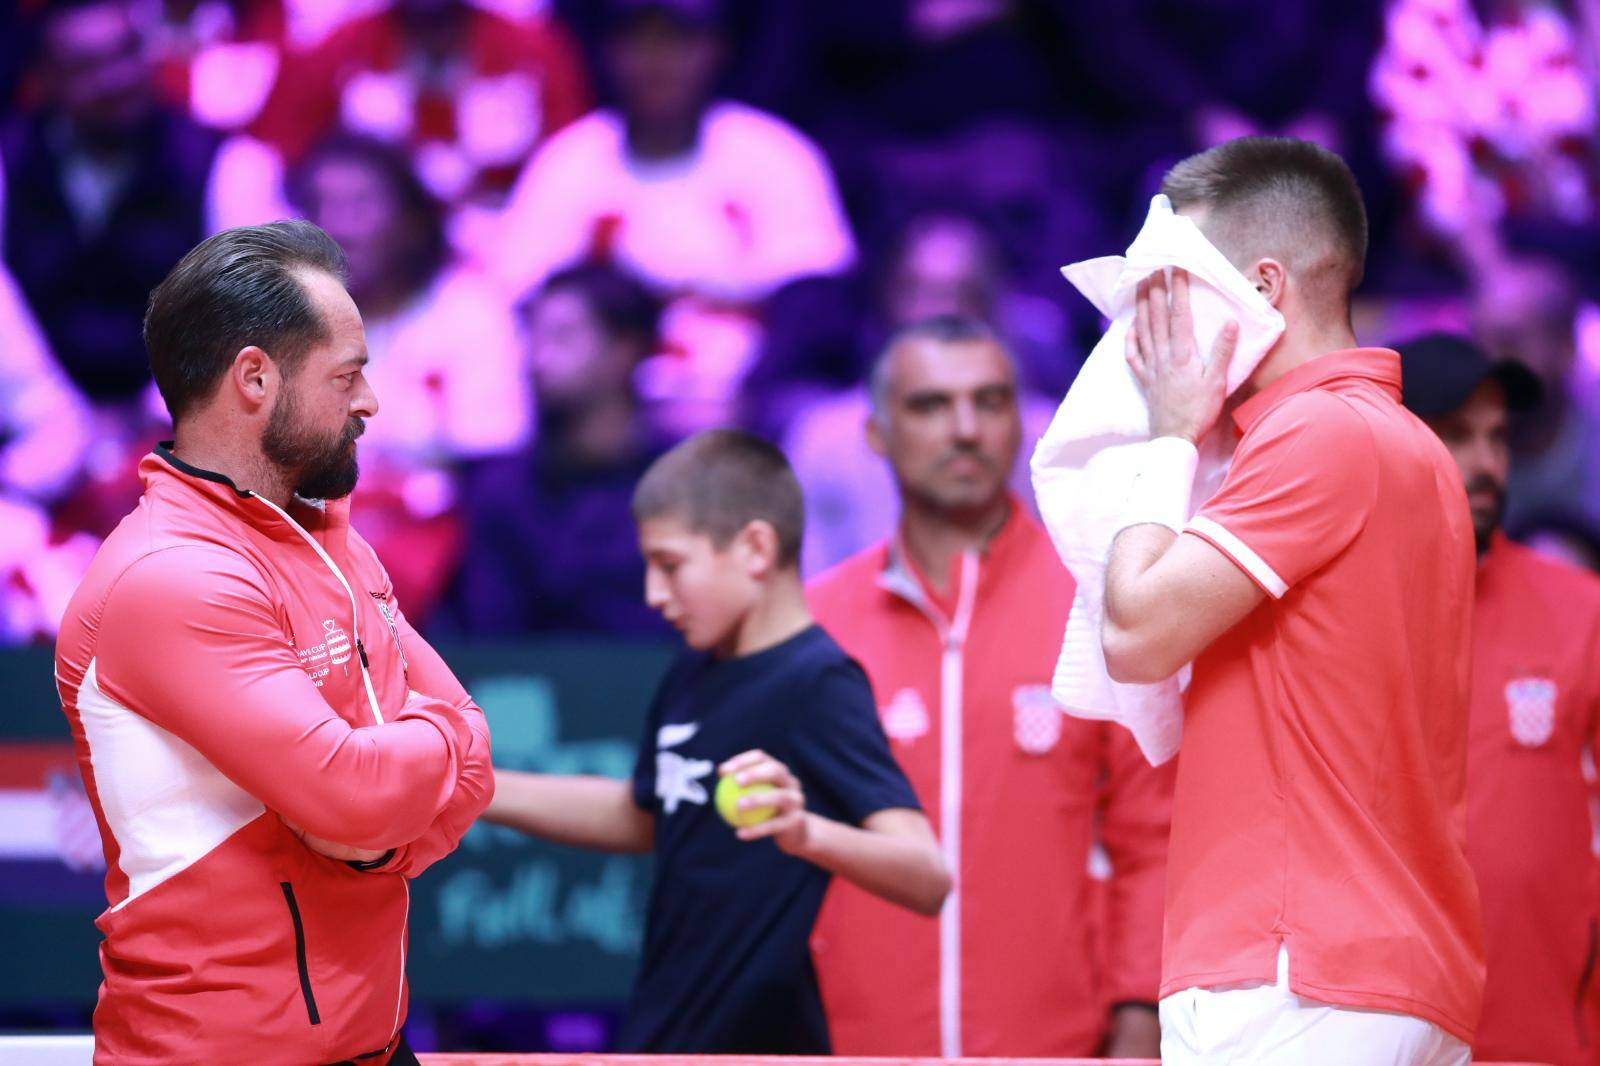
<point x="317" y="469"/>
<point x="955" y="501"/>
<point x="1485" y="523"/>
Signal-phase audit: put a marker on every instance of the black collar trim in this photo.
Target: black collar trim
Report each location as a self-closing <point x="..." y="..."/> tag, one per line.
<point x="164" y="450"/>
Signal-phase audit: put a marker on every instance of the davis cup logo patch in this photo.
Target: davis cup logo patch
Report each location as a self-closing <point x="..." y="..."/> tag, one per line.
<point x="1035" y="719"/>
<point x="338" y="642"/>
<point x="1531" y="707"/>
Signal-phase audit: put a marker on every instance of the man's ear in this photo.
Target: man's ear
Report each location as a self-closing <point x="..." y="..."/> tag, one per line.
<point x="1271" y="280"/>
<point x="874" y="431"/>
<point x="254" y="377"/>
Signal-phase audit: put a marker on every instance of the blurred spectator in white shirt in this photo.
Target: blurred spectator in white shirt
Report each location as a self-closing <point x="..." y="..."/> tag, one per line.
<point x="44" y="436"/>
<point x="44" y="421"/>
<point x="712" y="203"/>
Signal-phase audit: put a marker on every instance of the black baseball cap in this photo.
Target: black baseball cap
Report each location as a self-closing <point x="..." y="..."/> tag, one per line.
<point x="1439" y="371"/>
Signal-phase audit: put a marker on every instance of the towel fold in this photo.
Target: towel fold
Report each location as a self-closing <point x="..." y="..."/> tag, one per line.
<point x="1085" y="463"/>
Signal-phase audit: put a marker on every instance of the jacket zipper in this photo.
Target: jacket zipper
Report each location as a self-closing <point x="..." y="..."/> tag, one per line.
<point x="952" y="683"/>
<point x="377" y="714"/>
<point x="300" y="953"/>
<point x="355" y="614"/>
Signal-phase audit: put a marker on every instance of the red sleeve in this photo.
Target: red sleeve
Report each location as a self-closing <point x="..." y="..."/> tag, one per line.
<point x="1136" y="814"/>
<point x="1299" y="489"/>
<point x="474" y="785"/>
<point x="566" y="82"/>
<point x="190" y="640"/>
<point x="303" y="106"/>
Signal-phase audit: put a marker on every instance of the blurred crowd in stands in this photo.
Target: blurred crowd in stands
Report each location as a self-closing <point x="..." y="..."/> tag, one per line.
<point x="580" y="229"/>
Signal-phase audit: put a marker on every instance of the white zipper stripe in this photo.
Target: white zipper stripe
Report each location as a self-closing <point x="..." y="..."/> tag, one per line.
<point x="405" y="934"/>
<point x="355" y="613"/>
<point x="951" y="680"/>
<point x="372" y="698"/>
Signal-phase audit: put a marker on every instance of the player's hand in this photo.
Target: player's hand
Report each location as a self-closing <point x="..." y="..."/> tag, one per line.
<point x="341" y="852"/>
<point x="789" y="828"/>
<point x="1185" y="396"/>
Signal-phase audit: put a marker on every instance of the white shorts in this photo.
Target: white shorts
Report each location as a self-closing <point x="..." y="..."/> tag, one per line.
<point x="1268" y="1025"/>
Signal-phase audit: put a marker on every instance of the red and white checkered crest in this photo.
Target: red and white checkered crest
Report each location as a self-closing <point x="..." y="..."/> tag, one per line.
<point x="1531" y="707"/>
<point x="1036" y="718"/>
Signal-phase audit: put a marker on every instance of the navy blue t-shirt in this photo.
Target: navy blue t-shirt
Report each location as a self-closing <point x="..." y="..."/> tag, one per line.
<point x="727" y="960"/>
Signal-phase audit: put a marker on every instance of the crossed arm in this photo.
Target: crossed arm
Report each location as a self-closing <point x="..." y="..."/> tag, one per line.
<point x="411" y="785"/>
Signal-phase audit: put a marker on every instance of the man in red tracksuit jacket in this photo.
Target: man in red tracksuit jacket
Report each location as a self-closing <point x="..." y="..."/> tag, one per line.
<point x="1534" y="713"/>
<point x="958" y="621"/>
<point x="270" y="750"/>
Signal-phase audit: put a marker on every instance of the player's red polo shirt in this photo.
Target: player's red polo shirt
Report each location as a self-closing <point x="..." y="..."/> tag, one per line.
<point x="1320" y="795"/>
<point x="1535" y="710"/>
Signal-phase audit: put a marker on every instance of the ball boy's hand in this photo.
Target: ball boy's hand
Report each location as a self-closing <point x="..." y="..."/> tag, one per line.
<point x="789" y="827"/>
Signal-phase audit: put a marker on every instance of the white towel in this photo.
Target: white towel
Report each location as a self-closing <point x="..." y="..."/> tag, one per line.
<point x="1085" y="463"/>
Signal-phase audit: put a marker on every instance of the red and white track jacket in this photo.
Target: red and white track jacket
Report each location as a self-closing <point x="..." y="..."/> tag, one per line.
<point x="229" y="666"/>
<point x="1029" y="952"/>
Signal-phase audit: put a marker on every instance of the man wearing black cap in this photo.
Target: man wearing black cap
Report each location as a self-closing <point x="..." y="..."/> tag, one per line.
<point x="1535" y="708"/>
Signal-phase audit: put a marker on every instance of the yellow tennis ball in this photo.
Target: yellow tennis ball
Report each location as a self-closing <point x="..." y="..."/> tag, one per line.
<point x="730" y="792"/>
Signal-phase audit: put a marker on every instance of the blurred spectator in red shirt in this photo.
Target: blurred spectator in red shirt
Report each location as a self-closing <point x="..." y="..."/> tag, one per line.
<point x="468" y="92"/>
<point x="216" y="59"/>
<point x="444" y="362"/>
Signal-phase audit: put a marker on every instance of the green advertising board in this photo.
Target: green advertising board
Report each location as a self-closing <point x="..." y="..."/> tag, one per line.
<point x="504" y="917"/>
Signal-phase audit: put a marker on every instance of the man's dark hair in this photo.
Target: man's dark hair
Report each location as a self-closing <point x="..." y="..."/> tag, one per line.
<point x="1282" y="198"/>
<point x="619" y="301"/>
<point x="237" y="288"/>
<point x="941" y="329"/>
<point x="719" y="481"/>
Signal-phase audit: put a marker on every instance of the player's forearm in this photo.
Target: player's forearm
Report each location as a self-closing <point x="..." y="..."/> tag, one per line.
<point x="583" y="812"/>
<point x="1135" y="822"/>
<point x="903" y="869"/>
<point x="1135" y="1032"/>
<point x="1133" y="635"/>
